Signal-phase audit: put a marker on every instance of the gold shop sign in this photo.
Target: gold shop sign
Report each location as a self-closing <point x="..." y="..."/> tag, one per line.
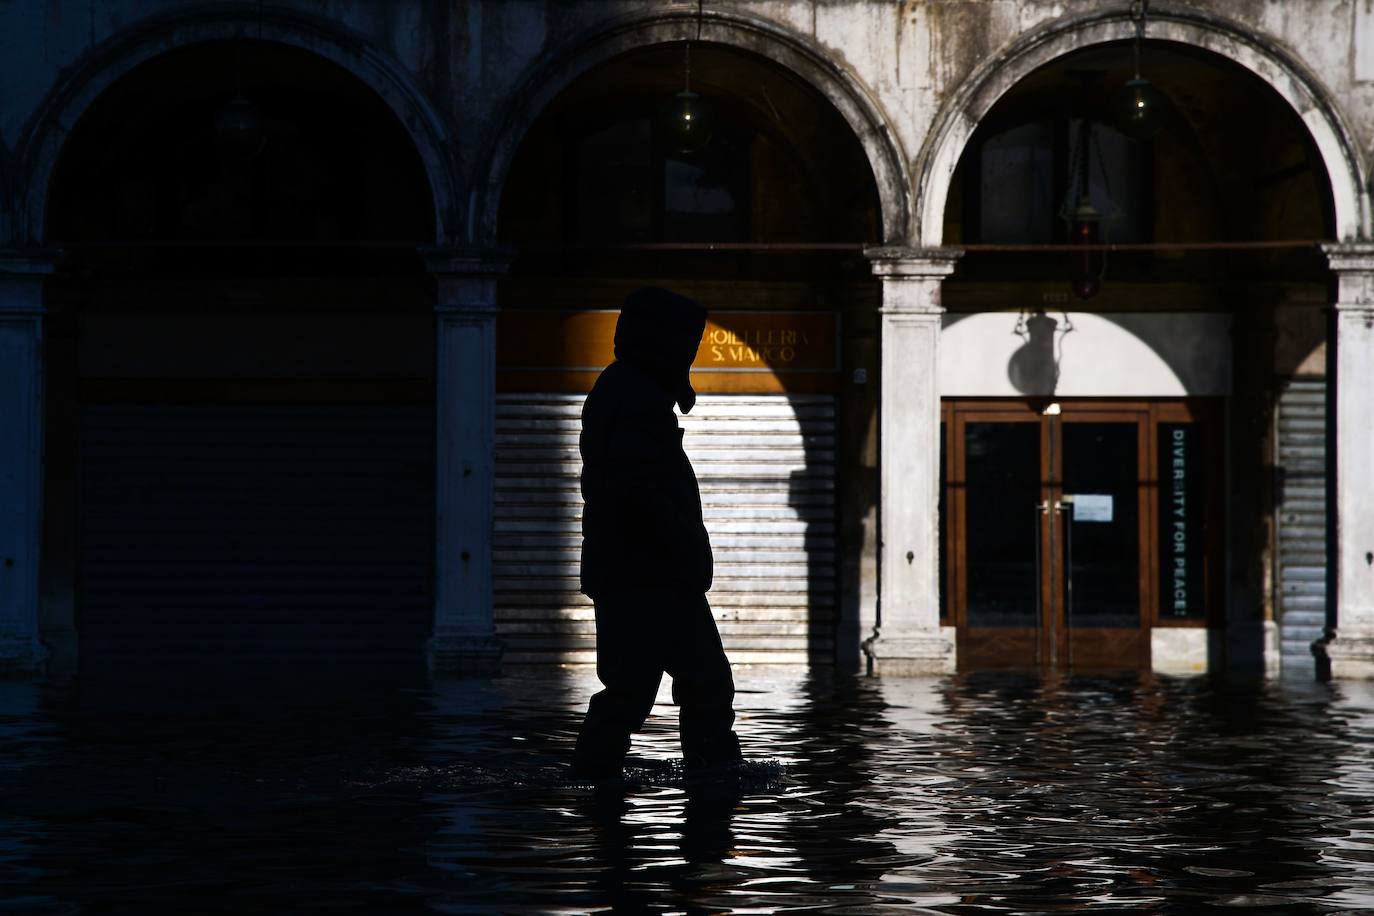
<point x="733" y="341"/>
<point x="756" y="342"/>
<point x="772" y="344"/>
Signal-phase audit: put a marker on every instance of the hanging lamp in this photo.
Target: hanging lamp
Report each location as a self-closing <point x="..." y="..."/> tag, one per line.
<point x="688" y="120"/>
<point x="238" y="132"/>
<point x="1139" y="106"/>
<point x="1082" y="216"/>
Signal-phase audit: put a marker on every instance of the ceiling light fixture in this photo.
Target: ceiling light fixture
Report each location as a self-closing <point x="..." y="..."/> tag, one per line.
<point x="1138" y="105"/>
<point x="688" y="119"/>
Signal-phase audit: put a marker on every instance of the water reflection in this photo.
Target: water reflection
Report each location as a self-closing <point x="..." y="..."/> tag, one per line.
<point x="987" y="793"/>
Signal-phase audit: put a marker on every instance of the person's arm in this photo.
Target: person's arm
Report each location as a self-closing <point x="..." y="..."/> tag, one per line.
<point x="644" y="455"/>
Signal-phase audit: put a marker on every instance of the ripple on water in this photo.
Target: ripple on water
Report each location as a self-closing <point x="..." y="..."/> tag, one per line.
<point x="983" y="793"/>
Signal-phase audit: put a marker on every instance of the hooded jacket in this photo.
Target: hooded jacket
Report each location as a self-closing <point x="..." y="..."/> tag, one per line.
<point x="641" y="521"/>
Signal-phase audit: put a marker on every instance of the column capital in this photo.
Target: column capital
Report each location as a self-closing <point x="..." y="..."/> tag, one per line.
<point x="901" y="263"/>
<point x="468" y="262"/>
<point x="33" y="262"/>
<point x="911" y="280"/>
<point x="1353" y="265"/>
<point x="22" y="271"/>
<point x="1352" y="257"/>
<point x="466" y="279"/>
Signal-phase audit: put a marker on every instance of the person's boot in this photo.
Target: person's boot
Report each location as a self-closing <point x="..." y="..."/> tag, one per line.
<point x="599" y="757"/>
<point x="596" y="771"/>
<point x="716" y="761"/>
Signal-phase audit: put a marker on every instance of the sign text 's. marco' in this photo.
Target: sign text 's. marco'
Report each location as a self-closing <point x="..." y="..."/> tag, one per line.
<point x="771" y="346"/>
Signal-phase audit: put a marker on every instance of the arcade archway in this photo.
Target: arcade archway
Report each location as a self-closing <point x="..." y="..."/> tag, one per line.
<point x="240" y="366"/>
<point x="1217" y="215"/>
<point x="765" y="225"/>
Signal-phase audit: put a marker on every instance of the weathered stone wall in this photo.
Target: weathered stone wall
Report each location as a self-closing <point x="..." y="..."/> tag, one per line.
<point x="911" y="78"/>
<point x="476" y="65"/>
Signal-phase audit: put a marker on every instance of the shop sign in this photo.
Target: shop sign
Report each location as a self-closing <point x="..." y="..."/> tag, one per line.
<point x="769" y="342"/>
<point x="743" y="341"/>
<point x="1180" y="517"/>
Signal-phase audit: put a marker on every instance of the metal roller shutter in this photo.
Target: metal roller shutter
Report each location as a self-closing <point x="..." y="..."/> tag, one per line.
<point x="255" y="531"/>
<point x="1302" y="553"/>
<point x="766" y="466"/>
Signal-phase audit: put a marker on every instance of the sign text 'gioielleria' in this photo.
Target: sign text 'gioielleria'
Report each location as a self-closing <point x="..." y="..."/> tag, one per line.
<point x="766" y="345"/>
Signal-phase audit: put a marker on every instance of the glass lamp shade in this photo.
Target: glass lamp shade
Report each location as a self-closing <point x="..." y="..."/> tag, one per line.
<point x="1085" y="286"/>
<point x="238" y="131"/>
<point x="1085" y="223"/>
<point x="687" y="122"/>
<point x="1139" y="109"/>
<point x="1084" y="229"/>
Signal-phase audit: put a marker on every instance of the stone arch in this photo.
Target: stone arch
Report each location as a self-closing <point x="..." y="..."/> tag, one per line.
<point x="853" y="101"/>
<point x="976" y="96"/>
<point x="78" y="89"/>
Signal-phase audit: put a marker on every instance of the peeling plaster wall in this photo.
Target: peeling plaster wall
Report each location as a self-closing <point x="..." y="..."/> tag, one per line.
<point x="471" y="56"/>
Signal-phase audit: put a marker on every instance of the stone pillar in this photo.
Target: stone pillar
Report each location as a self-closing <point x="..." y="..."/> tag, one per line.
<point x="1350" y="646"/>
<point x="464" y="640"/>
<point x="908" y="639"/>
<point x="21" y="459"/>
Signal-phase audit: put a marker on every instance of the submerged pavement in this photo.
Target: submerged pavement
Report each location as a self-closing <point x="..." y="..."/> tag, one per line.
<point x="983" y="793"/>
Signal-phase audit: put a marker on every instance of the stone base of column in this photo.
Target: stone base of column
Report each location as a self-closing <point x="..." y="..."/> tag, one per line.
<point x="910" y="653"/>
<point x="464" y="655"/>
<point x="1180" y="650"/>
<point x="1253" y="646"/>
<point x="22" y="657"/>
<point x="1349" y="651"/>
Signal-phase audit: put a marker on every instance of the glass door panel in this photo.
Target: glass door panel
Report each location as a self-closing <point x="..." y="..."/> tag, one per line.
<point x="1002" y="489"/>
<point x="1101" y="473"/>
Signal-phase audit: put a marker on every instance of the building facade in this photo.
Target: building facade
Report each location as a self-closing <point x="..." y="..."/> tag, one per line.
<point x="1041" y="333"/>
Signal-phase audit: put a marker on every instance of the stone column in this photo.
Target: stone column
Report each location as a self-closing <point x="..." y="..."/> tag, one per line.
<point x="1350" y="646"/>
<point x="21" y="459"/>
<point x="908" y="639"/>
<point x="464" y="640"/>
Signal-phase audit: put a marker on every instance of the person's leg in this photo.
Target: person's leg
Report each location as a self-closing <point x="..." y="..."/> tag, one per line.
<point x="703" y="687"/>
<point x="630" y="671"/>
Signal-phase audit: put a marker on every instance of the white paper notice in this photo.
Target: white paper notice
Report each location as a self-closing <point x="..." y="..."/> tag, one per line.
<point x="1092" y="507"/>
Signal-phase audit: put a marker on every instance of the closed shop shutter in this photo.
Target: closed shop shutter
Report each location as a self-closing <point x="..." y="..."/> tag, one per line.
<point x="255" y="531"/>
<point x="766" y="466"/>
<point x="1302" y="523"/>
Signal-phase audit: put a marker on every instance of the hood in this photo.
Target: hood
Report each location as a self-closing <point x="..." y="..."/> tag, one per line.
<point x="658" y="332"/>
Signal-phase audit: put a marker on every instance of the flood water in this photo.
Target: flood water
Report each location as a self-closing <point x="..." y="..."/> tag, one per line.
<point x="984" y="793"/>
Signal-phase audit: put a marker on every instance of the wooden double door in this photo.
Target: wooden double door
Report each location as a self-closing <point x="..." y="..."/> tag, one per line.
<point x="1058" y="529"/>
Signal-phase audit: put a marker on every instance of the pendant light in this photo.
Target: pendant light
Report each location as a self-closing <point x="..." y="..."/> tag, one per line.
<point x="238" y="131"/>
<point x="239" y="137"/>
<point x="1139" y="106"/>
<point x="1083" y="218"/>
<point x="688" y="119"/>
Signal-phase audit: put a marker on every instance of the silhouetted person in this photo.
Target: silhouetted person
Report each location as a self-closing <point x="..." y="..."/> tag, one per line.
<point x="646" y="557"/>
